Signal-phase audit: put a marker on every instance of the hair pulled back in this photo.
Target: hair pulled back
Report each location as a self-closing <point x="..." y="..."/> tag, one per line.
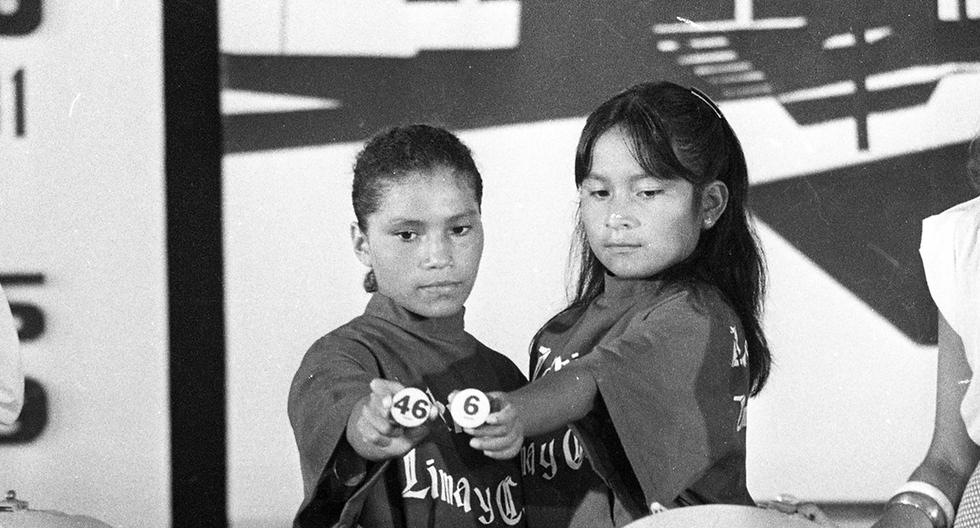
<point x="402" y="152"/>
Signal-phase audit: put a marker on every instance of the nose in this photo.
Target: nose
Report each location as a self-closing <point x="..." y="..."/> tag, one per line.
<point x="438" y="252"/>
<point x="620" y="220"/>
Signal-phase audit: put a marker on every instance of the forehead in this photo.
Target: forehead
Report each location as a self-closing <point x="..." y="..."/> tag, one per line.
<point x="421" y="193"/>
<point x="613" y="152"/>
<point x="614" y="157"/>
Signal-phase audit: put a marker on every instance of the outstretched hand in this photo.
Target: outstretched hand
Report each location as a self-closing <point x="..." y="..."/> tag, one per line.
<point x="502" y="435"/>
<point x="373" y="433"/>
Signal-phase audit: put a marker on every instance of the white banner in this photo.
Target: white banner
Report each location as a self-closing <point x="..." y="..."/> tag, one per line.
<point x="82" y="256"/>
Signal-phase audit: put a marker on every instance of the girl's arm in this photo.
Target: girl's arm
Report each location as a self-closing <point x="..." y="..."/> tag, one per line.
<point x="952" y="455"/>
<point x="548" y="403"/>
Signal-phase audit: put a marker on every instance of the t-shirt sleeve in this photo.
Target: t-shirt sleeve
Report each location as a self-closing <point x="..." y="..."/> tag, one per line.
<point x="950" y="251"/>
<point x="333" y="376"/>
<point x="666" y="383"/>
<point x="936" y="250"/>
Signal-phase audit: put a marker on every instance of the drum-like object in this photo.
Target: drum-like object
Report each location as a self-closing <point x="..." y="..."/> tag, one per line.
<point x="727" y="515"/>
<point x="14" y="513"/>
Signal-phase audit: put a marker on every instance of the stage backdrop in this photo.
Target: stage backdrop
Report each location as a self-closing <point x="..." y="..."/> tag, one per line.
<point x="82" y="256"/>
<point x="854" y="117"/>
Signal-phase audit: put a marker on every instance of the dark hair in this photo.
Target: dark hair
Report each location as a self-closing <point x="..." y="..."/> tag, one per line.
<point x="679" y="132"/>
<point x="398" y="153"/>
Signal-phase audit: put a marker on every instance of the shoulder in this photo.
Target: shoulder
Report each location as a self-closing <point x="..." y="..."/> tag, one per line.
<point x="562" y="321"/>
<point x="349" y="343"/>
<point x="683" y="303"/>
<point x="693" y="317"/>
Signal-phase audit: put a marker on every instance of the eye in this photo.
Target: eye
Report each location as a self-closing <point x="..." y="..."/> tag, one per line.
<point x="596" y="192"/>
<point x="407" y="236"/>
<point x="461" y="230"/>
<point x="650" y="193"/>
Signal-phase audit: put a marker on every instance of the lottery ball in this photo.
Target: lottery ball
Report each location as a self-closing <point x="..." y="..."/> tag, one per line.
<point x="410" y="407"/>
<point x="470" y="408"/>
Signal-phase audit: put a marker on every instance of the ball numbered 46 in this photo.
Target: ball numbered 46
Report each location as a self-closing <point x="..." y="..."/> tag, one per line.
<point x="410" y="407"/>
<point x="470" y="408"/>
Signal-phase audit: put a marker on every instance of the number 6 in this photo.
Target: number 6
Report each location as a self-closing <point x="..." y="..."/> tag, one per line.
<point x="470" y="408"/>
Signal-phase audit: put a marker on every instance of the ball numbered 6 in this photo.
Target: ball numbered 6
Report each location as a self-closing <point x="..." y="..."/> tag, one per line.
<point x="410" y="407"/>
<point x="470" y="408"/>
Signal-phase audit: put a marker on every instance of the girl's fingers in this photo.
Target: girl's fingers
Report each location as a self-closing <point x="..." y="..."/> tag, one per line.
<point x="383" y="386"/>
<point x="436" y="411"/>
<point x="494" y="444"/>
<point x="373" y="437"/>
<point x="497" y="419"/>
<point x="502" y="416"/>
<point x="487" y="431"/>
<point x="497" y="400"/>
<point x="503" y="454"/>
<point x="379" y="404"/>
<point x="383" y="425"/>
<point x="382" y="391"/>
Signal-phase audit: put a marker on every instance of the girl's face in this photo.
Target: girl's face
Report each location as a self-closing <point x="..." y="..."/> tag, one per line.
<point x="424" y="242"/>
<point x="638" y="225"/>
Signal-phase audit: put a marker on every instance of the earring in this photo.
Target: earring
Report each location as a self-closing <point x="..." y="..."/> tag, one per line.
<point x="708" y="222"/>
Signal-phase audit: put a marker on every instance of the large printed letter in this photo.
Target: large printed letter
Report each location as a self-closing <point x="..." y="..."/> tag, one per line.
<point x="486" y="504"/>
<point x="505" y="503"/>
<point x="462" y="494"/>
<point x="411" y="479"/>
<point x="573" y="450"/>
<point x="547" y="458"/>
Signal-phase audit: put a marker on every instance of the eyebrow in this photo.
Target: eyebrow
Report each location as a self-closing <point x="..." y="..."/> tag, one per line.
<point x="631" y="178"/>
<point x="398" y="220"/>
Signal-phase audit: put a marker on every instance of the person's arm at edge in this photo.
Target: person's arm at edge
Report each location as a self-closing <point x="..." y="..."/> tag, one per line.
<point x="11" y="370"/>
<point x="952" y="454"/>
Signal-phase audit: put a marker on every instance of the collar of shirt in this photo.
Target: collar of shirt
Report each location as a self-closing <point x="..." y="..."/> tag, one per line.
<point x="617" y="288"/>
<point x="383" y="307"/>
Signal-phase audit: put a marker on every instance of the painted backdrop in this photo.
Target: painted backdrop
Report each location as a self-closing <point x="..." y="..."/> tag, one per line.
<point x="854" y="117"/>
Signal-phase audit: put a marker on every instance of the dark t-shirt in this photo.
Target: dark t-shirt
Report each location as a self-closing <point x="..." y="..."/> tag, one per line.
<point x="442" y="481"/>
<point x="668" y="429"/>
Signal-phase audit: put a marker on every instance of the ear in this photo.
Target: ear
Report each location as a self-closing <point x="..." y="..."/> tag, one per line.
<point x="362" y="247"/>
<point x="714" y="199"/>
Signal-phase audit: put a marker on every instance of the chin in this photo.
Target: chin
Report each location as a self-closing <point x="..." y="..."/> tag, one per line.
<point x="436" y="309"/>
<point x="634" y="272"/>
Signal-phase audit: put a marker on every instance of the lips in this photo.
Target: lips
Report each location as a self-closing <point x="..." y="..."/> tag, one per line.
<point x="620" y="246"/>
<point x="440" y="286"/>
